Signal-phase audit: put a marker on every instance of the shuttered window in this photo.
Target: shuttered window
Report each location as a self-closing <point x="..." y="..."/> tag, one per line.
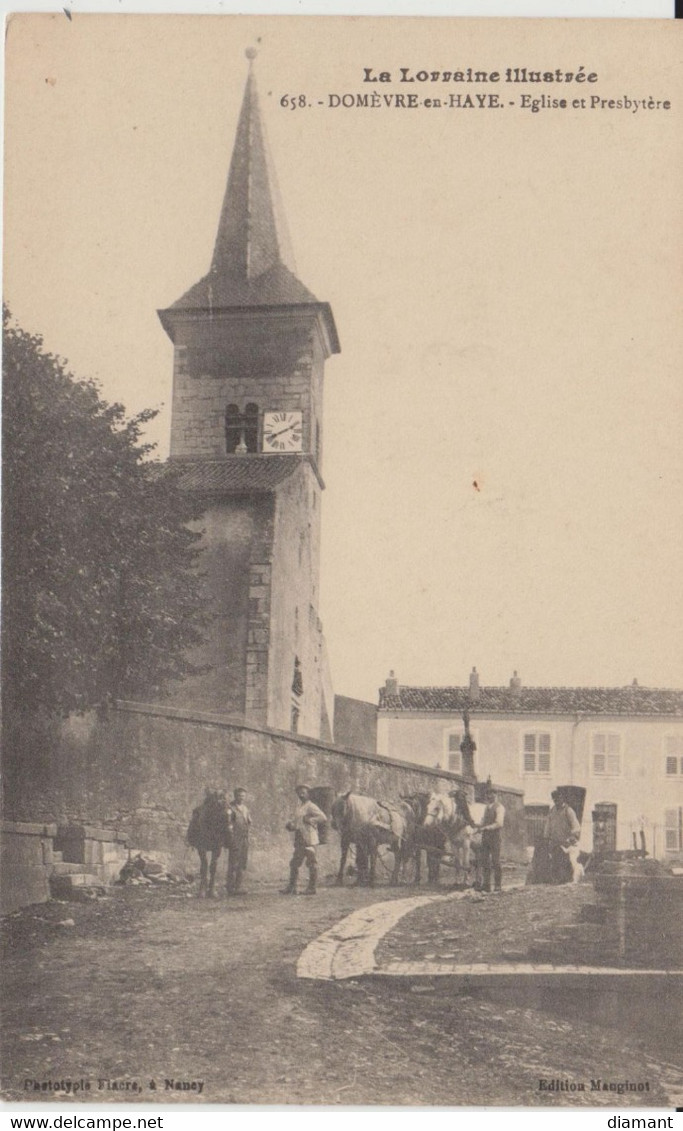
<point x="673" y="746"/>
<point x="537" y="747"/>
<point x="606" y="753"/>
<point x="453" y="754"/>
<point x="673" y="830"/>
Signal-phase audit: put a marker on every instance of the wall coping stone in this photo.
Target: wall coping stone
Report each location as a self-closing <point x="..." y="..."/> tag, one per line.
<point x="91" y="832"/>
<point x="26" y="828"/>
<point x="613" y="881"/>
<point x="235" y="722"/>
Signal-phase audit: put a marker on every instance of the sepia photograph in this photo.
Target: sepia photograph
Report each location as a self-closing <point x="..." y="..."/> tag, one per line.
<point x="342" y="676"/>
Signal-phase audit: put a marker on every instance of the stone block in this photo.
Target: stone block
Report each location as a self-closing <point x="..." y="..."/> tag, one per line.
<point x="66" y="869"/>
<point x="258" y="591"/>
<point x="21" y="850"/>
<point x="93" y="851"/>
<point x="60" y="886"/>
<point x="258" y="636"/>
<point x="20" y="889"/>
<point x="97" y="832"/>
<point x="80" y="894"/>
<point x="108" y="872"/>
<point x="24" y="875"/>
<point x="28" y="828"/>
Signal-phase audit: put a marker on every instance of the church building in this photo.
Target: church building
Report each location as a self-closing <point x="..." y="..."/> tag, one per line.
<point x="250" y="345"/>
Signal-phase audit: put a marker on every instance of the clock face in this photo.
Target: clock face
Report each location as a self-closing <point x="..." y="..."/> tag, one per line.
<point x="282" y="432"/>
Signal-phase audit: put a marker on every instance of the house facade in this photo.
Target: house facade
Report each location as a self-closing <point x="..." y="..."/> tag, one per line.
<point x="623" y="745"/>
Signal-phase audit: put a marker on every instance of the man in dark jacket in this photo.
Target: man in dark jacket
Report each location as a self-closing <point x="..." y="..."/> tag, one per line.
<point x="491" y="838"/>
<point x="562" y="830"/>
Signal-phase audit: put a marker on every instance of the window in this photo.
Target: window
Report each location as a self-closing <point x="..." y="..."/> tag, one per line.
<point x="537" y="749"/>
<point x="454" y="753"/>
<point x="673" y="749"/>
<point x="233" y="430"/>
<point x="673" y="830"/>
<point x="251" y="427"/>
<point x="241" y="429"/>
<point x="296" y="714"/>
<point x="606" y="751"/>
<point x="453" y="740"/>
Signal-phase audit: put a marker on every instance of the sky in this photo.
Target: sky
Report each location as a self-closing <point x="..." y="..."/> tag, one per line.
<point x="501" y="438"/>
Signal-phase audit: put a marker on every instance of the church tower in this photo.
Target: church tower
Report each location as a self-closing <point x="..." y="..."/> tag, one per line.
<point x="250" y="345"/>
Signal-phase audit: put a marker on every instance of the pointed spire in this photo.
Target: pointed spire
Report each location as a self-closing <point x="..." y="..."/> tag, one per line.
<point x="252" y="263"/>
<point x="252" y="232"/>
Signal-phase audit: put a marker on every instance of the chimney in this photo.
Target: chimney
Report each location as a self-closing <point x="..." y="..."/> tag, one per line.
<point x="515" y="686"/>
<point x="635" y="683"/>
<point x="474" y="684"/>
<point x="391" y="685"/>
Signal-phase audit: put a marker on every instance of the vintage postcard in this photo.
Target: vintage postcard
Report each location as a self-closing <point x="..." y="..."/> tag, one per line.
<point x="342" y="692"/>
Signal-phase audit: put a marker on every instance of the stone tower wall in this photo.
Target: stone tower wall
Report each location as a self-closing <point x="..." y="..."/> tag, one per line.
<point x="237" y="533"/>
<point x="272" y="359"/>
<point x="295" y="630"/>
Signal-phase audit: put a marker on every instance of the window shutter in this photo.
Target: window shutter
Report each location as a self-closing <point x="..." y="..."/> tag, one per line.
<point x="673" y="820"/>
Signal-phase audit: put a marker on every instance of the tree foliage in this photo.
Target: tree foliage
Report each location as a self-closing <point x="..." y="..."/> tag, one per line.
<point x="101" y="594"/>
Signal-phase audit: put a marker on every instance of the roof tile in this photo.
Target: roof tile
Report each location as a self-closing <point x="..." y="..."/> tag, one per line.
<point x="275" y="287"/>
<point x="237" y="474"/>
<point x="538" y="700"/>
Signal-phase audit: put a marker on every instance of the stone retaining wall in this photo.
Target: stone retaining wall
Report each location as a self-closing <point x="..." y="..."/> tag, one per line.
<point x="643" y="917"/>
<point x="140" y="771"/>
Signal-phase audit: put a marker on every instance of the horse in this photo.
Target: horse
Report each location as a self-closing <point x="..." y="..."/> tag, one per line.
<point x="208" y="832"/>
<point x="394" y="824"/>
<point x="369" y="823"/>
<point x="430" y="838"/>
<point x="452" y="820"/>
<point x="466" y="843"/>
<point x="351" y="814"/>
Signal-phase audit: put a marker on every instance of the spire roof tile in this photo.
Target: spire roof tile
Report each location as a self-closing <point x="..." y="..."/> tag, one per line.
<point x="252" y="263"/>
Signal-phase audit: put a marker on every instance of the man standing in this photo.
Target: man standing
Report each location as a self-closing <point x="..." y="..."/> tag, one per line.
<point x="491" y="837"/>
<point x="304" y="825"/>
<point x="238" y="843"/>
<point x="562" y="831"/>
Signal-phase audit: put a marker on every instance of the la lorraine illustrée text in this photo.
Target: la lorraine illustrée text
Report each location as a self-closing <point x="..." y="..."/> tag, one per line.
<point x="469" y="74"/>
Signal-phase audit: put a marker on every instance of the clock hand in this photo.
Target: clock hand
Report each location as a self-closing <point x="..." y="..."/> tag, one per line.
<point x="273" y="435"/>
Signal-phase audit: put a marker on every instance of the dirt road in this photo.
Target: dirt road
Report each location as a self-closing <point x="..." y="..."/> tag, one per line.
<point x="200" y="999"/>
